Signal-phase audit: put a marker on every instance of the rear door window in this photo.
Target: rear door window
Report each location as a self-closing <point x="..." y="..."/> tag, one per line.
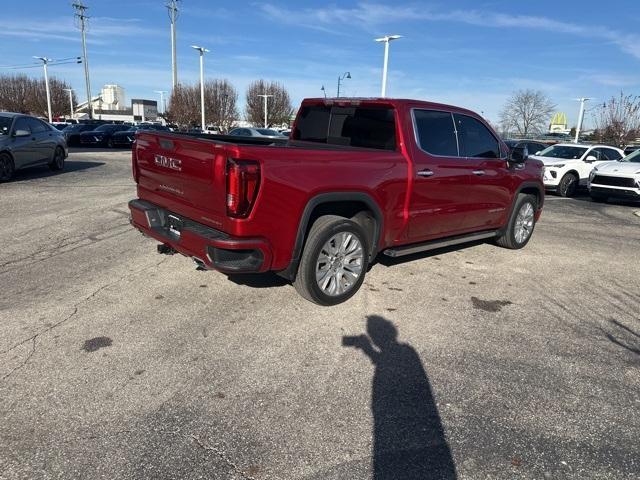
<point x="611" y="154"/>
<point x="435" y="132"/>
<point x="367" y="127"/>
<point x="36" y="125"/>
<point x="475" y="139"/>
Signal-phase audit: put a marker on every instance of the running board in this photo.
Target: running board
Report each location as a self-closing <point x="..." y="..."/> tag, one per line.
<point x="433" y="244"/>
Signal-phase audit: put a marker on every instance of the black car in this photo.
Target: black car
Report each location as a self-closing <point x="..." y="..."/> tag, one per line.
<point x="125" y="138"/>
<point x="532" y="146"/>
<point x="102" y="135"/>
<point x="72" y="132"/>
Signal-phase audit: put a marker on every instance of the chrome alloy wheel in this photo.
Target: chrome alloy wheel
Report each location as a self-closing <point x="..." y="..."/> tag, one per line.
<point x="339" y="264"/>
<point x="524" y="223"/>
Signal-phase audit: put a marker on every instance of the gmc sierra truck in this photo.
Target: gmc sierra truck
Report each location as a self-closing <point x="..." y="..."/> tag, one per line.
<point x="357" y="177"/>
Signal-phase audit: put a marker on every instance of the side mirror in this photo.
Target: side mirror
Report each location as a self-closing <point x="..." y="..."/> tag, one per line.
<point x="21" y="133"/>
<point x="538" y="152"/>
<point x="590" y="158"/>
<point x="518" y="155"/>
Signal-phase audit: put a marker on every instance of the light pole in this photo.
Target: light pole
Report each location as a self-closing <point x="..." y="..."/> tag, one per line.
<point x="172" y="7"/>
<point x="324" y="91"/>
<point x="45" y="61"/>
<point x="162" y="104"/>
<point x="580" y="116"/>
<point x="202" y="50"/>
<point x="266" y="97"/>
<point x="386" y="39"/>
<point x="70" y="90"/>
<point x="340" y="78"/>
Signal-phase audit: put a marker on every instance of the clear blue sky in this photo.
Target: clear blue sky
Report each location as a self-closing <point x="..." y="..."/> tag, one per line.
<point x="469" y="53"/>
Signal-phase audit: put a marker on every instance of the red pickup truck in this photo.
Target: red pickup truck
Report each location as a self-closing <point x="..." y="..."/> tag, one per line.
<point x="358" y="177"/>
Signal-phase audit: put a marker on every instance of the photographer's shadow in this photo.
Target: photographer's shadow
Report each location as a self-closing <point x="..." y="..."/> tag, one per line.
<point x="408" y="438"/>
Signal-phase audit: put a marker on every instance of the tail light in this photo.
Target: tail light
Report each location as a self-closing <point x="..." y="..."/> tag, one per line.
<point x="134" y="162"/>
<point x="243" y="181"/>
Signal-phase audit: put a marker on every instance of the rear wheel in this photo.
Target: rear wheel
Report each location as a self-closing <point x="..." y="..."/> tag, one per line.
<point x="521" y="224"/>
<point x="568" y="185"/>
<point x="6" y="167"/>
<point x="334" y="261"/>
<point x="57" y="163"/>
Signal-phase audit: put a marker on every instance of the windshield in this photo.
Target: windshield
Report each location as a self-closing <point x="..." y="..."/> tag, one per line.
<point x="563" y="151"/>
<point x="632" y="157"/>
<point x="5" y="125"/>
<point x="267" y="131"/>
<point x="106" y="128"/>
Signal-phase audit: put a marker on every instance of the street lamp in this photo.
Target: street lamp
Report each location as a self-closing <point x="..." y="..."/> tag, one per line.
<point x="162" y="104"/>
<point x="580" y="116"/>
<point x="202" y="51"/>
<point x="340" y="78"/>
<point x="324" y="91"/>
<point x="386" y="39"/>
<point x="70" y="90"/>
<point x="45" y="61"/>
<point x="266" y="97"/>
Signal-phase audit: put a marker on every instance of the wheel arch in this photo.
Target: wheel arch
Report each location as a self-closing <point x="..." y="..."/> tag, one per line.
<point x="359" y="206"/>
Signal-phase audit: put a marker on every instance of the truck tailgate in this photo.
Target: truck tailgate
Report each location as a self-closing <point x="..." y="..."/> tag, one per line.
<point x="182" y="174"/>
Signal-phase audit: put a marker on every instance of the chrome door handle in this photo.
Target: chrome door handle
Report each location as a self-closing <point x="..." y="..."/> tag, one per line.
<point x="478" y="172"/>
<point x="425" y="173"/>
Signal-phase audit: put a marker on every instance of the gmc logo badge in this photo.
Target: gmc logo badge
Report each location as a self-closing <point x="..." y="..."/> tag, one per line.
<point x="166" y="162"/>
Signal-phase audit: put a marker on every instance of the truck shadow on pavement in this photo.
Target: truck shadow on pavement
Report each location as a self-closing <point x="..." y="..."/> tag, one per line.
<point x="258" y="280"/>
<point x="31" y="173"/>
<point x="408" y="437"/>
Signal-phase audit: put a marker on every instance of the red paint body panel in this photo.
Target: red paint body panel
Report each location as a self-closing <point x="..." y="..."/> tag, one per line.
<point x="414" y="209"/>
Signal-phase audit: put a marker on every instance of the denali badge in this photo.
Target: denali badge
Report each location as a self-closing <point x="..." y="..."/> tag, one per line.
<point x="166" y="162"/>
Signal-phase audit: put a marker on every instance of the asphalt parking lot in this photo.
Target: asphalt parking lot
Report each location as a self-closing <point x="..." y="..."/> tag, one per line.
<point x="116" y="362"/>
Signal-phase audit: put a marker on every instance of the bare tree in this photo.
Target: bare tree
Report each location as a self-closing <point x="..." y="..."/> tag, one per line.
<point x="526" y="112"/>
<point x="19" y="93"/>
<point x="279" y="109"/>
<point x="184" y="105"/>
<point x="220" y="99"/>
<point x="618" y="121"/>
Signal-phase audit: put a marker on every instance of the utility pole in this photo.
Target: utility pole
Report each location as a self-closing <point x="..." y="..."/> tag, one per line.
<point x="70" y="90"/>
<point x="580" y="116"/>
<point x="386" y="39"/>
<point x="45" y="62"/>
<point x="266" y="97"/>
<point x="82" y="18"/>
<point x="172" y="7"/>
<point x="202" y="51"/>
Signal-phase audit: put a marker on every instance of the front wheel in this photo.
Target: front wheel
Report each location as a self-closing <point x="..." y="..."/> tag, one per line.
<point x="6" y="167"/>
<point x="58" y="160"/>
<point x="568" y="185"/>
<point x="334" y="261"/>
<point x="521" y="224"/>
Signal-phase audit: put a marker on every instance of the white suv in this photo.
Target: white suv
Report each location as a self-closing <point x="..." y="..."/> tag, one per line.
<point x="568" y="165"/>
<point x="616" y="179"/>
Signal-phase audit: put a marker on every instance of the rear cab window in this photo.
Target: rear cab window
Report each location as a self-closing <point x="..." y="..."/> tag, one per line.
<point x="363" y="126"/>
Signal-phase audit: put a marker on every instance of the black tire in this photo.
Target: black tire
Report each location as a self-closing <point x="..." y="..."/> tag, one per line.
<point x="568" y="185"/>
<point x="323" y="229"/>
<point x="57" y="163"/>
<point x="7" y="168"/>
<point x="508" y="238"/>
<point x="598" y="197"/>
